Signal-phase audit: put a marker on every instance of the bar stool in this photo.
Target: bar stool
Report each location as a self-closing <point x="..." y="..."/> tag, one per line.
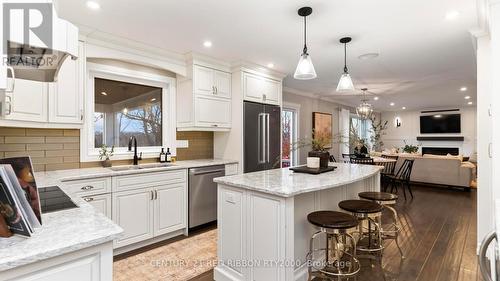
<point x="387" y="200"/>
<point x="371" y="212"/>
<point x="338" y="262"/>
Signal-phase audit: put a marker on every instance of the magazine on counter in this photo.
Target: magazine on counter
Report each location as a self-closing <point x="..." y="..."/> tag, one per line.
<point x="23" y="170"/>
<point x="11" y="210"/>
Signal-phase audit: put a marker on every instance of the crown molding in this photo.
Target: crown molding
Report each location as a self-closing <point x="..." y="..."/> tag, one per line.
<point x="316" y="96"/>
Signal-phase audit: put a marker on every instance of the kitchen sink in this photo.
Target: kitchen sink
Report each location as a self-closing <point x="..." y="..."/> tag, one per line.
<point x="141" y="167"/>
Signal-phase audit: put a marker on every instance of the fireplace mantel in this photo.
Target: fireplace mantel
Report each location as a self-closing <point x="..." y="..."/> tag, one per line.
<point x="449" y="138"/>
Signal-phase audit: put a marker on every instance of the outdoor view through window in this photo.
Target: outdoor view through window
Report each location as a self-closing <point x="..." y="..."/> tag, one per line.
<point x="123" y="110"/>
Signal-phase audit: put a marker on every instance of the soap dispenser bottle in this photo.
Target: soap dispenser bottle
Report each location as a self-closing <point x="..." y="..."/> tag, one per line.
<point x="163" y="156"/>
<point x="169" y="155"/>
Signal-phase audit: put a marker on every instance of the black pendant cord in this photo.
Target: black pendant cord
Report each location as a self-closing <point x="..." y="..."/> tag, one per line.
<point x="304" y="52"/>
<point x="345" y="58"/>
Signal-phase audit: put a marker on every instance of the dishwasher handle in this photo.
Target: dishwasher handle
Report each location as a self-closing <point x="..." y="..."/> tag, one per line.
<point x="204" y="171"/>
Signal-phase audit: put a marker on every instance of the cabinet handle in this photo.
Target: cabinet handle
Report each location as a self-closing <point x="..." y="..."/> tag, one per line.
<point x="213" y="90"/>
<point x="152" y="195"/>
<point x="156" y="194"/>
<point x="9" y="103"/>
<point x="12" y="73"/>
<point x="81" y="114"/>
<point x="88" y="199"/>
<point x="490" y="150"/>
<point x="264" y="97"/>
<point x="87" y="187"/>
<point x="215" y="125"/>
<point x="216" y="90"/>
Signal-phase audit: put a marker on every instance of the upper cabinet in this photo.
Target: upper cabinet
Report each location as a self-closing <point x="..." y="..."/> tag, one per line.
<point x="261" y="89"/>
<point x="204" y="98"/>
<point x="66" y="95"/>
<point x="49" y="104"/>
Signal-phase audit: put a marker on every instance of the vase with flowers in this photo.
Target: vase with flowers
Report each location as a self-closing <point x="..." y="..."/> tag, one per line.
<point x="105" y="153"/>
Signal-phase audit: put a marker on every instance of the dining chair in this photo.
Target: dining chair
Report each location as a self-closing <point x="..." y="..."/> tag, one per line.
<point x="346" y="157"/>
<point x="402" y="177"/>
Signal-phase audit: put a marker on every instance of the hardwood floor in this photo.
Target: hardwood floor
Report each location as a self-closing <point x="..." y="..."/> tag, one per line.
<point x="438" y="240"/>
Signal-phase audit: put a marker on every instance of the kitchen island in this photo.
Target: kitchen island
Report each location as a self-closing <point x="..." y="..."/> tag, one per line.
<point x="263" y="233"/>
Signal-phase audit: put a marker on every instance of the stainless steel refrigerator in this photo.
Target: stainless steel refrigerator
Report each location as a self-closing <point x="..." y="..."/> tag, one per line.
<point x="262" y="139"/>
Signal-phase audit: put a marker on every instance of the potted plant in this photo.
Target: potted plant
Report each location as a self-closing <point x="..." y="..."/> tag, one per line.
<point x="320" y="142"/>
<point x="106" y="152"/>
<point x="410" y="148"/>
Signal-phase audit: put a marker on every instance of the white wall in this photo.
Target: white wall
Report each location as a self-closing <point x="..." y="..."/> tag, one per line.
<point x="309" y="105"/>
<point x="410" y="130"/>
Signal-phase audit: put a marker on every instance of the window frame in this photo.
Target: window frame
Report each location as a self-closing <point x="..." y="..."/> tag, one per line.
<point x="88" y="152"/>
<point x="295" y="109"/>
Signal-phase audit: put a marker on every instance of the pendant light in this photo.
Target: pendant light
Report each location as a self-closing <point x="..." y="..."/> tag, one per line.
<point x="305" y="68"/>
<point x="345" y="82"/>
<point x="364" y="110"/>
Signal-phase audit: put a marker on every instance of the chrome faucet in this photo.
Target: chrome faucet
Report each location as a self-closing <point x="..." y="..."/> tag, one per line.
<point x="136" y="158"/>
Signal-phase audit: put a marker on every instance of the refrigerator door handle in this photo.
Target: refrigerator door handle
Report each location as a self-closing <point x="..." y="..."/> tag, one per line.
<point x="267" y="138"/>
<point x="261" y="139"/>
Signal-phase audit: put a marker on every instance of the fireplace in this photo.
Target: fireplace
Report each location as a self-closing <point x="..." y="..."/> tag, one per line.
<point x="440" y="150"/>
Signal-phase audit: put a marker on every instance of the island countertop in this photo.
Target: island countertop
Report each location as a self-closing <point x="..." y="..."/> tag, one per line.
<point x="286" y="183"/>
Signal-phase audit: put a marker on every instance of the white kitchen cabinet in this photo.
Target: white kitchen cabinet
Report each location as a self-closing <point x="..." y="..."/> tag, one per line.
<point x="169" y="208"/>
<point x="261" y="89"/>
<point x="212" y="112"/>
<point x="66" y="95"/>
<point x="204" y="96"/>
<point x="134" y="212"/>
<point x="102" y="203"/>
<point x="28" y="102"/>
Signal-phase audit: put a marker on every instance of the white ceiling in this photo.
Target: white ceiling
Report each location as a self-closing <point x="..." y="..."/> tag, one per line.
<point x="424" y="59"/>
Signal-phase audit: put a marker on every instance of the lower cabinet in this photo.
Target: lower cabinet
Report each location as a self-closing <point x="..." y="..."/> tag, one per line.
<point x="102" y="203"/>
<point x="149" y="212"/>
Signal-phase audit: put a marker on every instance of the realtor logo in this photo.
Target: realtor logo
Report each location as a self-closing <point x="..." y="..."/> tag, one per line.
<point x="26" y="24"/>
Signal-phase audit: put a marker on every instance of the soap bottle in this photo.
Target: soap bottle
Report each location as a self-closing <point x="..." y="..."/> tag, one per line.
<point x="169" y="155"/>
<point x="163" y="156"/>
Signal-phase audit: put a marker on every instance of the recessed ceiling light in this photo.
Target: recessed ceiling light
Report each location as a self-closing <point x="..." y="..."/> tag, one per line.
<point x="392" y="104"/>
<point x="463" y="89"/>
<point x="207" y="44"/>
<point x="452" y="15"/>
<point x="375" y="98"/>
<point x="368" y="56"/>
<point x="104" y="93"/>
<point x="467" y="97"/>
<point x="270" y="65"/>
<point x="404" y="107"/>
<point x="94" y="5"/>
<point x="469" y="103"/>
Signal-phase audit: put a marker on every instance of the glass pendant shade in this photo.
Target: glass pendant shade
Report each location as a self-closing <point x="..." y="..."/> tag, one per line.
<point x="305" y="68"/>
<point x="345" y="83"/>
<point x="364" y="110"/>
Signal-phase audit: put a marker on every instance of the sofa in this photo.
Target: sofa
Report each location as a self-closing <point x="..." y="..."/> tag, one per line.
<point x="441" y="170"/>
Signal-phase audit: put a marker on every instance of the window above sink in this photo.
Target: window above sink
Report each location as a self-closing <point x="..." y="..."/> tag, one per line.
<point x="122" y="103"/>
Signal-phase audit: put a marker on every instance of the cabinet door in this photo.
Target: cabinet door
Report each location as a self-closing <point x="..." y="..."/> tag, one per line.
<point x="203" y="78"/>
<point x="212" y="112"/>
<point x="28" y="101"/>
<point x="252" y="87"/>
<point x="169" y="208"/>
<point x="66" y="95"/>
<point x="133" y="211"/>
<point x="271" y="91"/>
<point x="102" y="203"/>
<point x="222" y="84"/>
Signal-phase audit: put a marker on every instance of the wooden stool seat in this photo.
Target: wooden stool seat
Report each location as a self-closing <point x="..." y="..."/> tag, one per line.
<point x="332" y="219"/>
<point x="360" y="206"/>
<point x="378" y="196"/>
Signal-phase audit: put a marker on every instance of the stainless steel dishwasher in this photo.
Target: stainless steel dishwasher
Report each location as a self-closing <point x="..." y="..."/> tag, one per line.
<point x="203" y="194"/>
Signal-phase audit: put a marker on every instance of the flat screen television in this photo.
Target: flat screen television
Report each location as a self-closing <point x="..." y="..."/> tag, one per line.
<point x="440" y="124"/>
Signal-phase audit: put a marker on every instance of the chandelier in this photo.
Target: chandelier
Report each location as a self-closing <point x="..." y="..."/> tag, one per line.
<point x="364" y="110"/>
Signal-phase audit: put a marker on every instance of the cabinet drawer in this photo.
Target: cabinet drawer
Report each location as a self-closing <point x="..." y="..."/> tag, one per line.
<point x="130" y="182"/>
<point x="231" y="169"/>
<point x="89" y="186"/>
<point x="102" y="203"/>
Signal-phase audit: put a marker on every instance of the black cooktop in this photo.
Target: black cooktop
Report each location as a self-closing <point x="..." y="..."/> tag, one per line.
<point x="53" y="199"/>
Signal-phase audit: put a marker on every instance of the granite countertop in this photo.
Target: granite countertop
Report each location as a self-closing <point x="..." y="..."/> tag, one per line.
<point x="62" y="232"/>
<point x="286" y="183"/>
<point x="52" y="177"/>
